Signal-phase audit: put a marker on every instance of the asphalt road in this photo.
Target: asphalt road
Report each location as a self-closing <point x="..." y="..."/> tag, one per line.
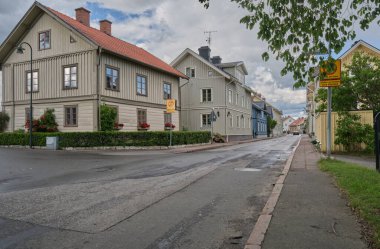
<point x="145" y="199"/>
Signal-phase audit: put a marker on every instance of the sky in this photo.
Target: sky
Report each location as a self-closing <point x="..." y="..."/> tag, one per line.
<point x="167" y="27"/>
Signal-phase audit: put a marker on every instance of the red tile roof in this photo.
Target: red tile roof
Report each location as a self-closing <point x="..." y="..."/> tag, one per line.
<point x="298" y="122"/>
<point x="117" y="46"/>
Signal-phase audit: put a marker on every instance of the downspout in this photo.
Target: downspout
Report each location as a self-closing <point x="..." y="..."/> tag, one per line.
<point x="13" y="98"/>
<point x="180" y="97"/>
<point x="225" y="110"/>
<point x="98" y="73"/>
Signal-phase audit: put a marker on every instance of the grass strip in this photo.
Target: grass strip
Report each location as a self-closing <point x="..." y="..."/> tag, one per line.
<point x="362" y="186"/>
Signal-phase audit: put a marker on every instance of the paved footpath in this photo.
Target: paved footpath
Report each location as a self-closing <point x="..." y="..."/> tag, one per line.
<point x="310" y="212"/>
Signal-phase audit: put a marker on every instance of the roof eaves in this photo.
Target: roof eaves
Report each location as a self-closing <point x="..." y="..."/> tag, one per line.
<point x="145" y="64"/>
<point x="67" y="25"/>
<point x="191" y="52"/>
<point x="357" y="44"/>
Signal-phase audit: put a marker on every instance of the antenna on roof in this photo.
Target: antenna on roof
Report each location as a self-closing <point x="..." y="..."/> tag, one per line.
<point x="208" y="40"/>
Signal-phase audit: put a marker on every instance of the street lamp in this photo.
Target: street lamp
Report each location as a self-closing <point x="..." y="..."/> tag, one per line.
<point x="20" y="50"/>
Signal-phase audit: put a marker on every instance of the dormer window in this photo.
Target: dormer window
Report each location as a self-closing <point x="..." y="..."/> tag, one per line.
<point x="44" y="40"/>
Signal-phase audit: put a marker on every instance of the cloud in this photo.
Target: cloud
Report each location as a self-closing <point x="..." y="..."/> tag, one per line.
<point x="167" y="27"/>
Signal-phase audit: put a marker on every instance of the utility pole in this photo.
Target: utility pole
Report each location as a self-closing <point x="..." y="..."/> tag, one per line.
<point x="208" y="40"/>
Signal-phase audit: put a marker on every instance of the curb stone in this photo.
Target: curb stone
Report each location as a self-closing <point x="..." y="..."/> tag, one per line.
<point x="257" y="236"/>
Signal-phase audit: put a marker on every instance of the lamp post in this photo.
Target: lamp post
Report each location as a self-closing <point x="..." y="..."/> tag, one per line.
<point x="313" y="109"/>
<point x="20" y="50"/>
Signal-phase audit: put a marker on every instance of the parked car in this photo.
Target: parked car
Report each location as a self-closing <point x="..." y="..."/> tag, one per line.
<point x="296" y="132"/>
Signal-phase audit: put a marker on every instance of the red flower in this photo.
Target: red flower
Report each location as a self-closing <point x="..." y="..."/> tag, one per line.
<point x="144" y="125"/>
<point x="169" y="125"/>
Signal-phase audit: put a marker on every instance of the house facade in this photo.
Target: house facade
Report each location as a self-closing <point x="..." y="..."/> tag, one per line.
<point x="216" y="87"/>
<point x="259" y="119"/>
<point x="276" y="115"/>
<point x="297" y="125"/>
<point x="77" y="68"/>
<point x="286" y="121"/>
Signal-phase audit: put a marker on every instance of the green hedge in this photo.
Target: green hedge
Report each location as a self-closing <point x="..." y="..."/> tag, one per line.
<point x="110" y="138"/>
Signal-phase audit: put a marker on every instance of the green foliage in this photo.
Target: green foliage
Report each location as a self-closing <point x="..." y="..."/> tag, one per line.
<point x="362" y="186"/>
<point x="298" y="32"/>
<point x="108" y="116"/>
<point x="47" y="121"/>
<point x="108" y="138"/>
<point x="359" y="88"/>
<point x="4" y="119"/>
<point x="351" y="133"/>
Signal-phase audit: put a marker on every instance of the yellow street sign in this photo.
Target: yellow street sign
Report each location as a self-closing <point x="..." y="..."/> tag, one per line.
<point x="332" y="78"/>
<point x="170" y="105"/>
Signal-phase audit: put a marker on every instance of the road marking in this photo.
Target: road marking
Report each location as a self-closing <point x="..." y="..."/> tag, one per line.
<point x="247" y="169"/>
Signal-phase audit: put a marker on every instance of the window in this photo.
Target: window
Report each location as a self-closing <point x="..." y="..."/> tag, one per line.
<point x="206" y="95"/>
<point x="167" y="118"/>
<point x="141" y="85"/>
<point x="29" y="79"/>
<point x="230" y="96"/>
<point x="237" y="99"/>
<point x="72" y="39"/>
<point x="237" y="121"/>
<point x="70" y="77"/>
<point x="112" y="78"/>
<point x="242" y="101"/>
<point x="141" y="116"/>
<point x="243" y="119"/>
<point x="206" y="120"/>
<point x="210" y="74"/>
<point x="44" y="40"/>
<point x="231" y="121"/>
<point x="167" y="91"/>
<point x="71" y="116"/>
<point x="190" y="72"/>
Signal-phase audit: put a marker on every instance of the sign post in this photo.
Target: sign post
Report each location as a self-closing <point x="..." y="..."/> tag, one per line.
<point x="331" y="78"/>
<point x="170" y="108"/>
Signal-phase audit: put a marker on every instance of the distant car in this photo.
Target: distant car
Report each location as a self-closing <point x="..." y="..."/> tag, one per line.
<point x="296" y="132"/>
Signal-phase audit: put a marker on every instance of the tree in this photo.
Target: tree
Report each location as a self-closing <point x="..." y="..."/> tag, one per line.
<point x="4" y="119"/>
<point x="108" y="116"/>
<point x="297" y="31"/>
<point x="351" y="133"/>
<point x="359" y="88"/>
<point x="271" y="124"/>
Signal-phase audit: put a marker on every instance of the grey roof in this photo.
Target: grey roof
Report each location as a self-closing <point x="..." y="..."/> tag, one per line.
<point x="233" y="64"/>
<point x="260" y="104"/>
<point x="269" y="109"/>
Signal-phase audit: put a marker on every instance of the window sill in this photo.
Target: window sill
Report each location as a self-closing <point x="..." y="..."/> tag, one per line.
<point x="114" y="90"/>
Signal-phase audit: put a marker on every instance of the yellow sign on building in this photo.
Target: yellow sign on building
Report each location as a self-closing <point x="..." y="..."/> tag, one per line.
<point x="331" y="79"/>
<point x="170" y="105"/>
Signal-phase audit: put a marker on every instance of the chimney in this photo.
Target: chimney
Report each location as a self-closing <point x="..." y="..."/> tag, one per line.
<point x="83" y="16"/>
<point x="216" y="60"/>
<point x="205" y="52"/>
<point x="105" y="26"/>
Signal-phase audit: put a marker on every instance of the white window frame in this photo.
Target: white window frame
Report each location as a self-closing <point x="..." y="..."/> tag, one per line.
<point x="209" y="118"/>
<point x="211" y="97"/>
<point x="229" y="96"/>
<point x="192" y="70"/>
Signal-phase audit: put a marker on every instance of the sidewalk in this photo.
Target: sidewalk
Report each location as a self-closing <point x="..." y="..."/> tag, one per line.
<point x="310" y="213"/>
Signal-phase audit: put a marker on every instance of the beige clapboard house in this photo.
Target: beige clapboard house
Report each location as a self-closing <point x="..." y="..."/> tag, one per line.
<point x="76" y="68"/>
<point x="214" y="85"/>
